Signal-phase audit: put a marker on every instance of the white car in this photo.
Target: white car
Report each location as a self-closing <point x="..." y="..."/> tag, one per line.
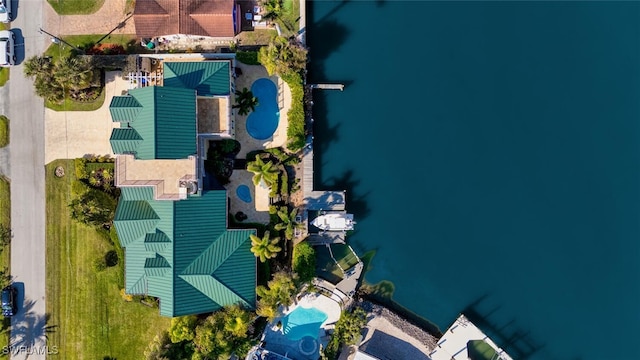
<point x="5" y="11"/>
<point x="7" y="51"/>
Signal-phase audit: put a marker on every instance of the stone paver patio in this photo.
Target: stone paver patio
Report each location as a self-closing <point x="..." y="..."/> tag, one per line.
<point x="243" y="177"/>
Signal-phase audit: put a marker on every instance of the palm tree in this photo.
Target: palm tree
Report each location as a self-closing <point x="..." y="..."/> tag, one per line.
<point x="38" y="65"/>
<point x="47" y="89"/>
<point x="265" y="248"/>
<point x="245" y="101"/>
<point x="272" y="9"/>
<point x="262" y="171"/>
<point x="73" y="73"/>
<point x="288" y="223"/>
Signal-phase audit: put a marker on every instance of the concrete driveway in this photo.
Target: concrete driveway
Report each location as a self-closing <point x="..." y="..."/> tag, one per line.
<point x="109" y="17"/>
<point x="73" y="134"/>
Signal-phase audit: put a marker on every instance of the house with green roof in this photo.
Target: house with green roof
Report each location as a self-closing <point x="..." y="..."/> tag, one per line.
<point x="174" y="233"/>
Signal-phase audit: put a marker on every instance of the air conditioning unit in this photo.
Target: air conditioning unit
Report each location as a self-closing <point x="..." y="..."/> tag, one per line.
<point x="190" y="185"/>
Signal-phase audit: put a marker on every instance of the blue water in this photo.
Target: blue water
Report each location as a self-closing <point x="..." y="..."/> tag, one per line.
<point x="244" y="193"/>
<point x="490" y="153"/>
<point x="302" y="322"/>
<point x="263" y="121"/>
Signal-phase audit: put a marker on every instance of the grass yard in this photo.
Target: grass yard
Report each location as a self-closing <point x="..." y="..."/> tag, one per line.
<point x="4" y="76"/>
<point x="129" y="42"/>
<point x="76" y="7"/>
<point x="71" y="105"/>
<point x="91" y="318"/>
<point x="5" y="256"/>
<point x="289" y="20"/>
<point x="4" y="131"/>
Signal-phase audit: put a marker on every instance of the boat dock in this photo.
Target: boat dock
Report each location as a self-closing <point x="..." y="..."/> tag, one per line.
<point x="317" y="200"/>
<point x="328" y="86"/>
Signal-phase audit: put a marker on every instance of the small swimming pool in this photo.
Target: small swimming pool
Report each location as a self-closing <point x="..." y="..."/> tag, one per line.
<point x="244" y="193"/>
<point x="302" y="323"/>
<point x="263" y="121"/>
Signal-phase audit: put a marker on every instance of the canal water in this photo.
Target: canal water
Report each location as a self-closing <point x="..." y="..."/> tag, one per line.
<point x="491" y="155"/>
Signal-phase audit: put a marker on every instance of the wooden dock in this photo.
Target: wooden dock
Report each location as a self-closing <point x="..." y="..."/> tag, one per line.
<point x="328" y="86"/>
<point x="317" y="200"/>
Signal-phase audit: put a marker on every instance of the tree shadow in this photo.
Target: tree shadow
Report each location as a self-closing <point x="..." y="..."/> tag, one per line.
<point x="356" y="201"/>
<point x="515" y="341"/>
<point x="386" y="346"/>
<point x="320" y="49"/>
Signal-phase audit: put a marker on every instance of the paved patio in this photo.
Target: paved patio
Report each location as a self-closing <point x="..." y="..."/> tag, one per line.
<point x="109" y="17"/>
<point x="243" y="177"/>
<point x="73" y="134"/>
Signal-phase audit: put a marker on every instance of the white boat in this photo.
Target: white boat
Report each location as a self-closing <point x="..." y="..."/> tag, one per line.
<point x="334" y="222"/>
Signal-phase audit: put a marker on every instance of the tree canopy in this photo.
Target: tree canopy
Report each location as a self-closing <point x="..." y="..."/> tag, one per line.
<point x="304" y="261"/>
<point x="283" y="56"/>
<point x="266" y="247"/>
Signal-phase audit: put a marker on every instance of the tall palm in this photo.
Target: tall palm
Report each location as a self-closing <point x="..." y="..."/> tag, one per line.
<point x="46" y="88"/>
<point x="73" y="73"/>
<point x="288" y="222"/>
<point x="38" y="65"/>
<point x="245" y="101"/>
<point x="265" y="172"/>
<point x="265" y="248"/>
<point x="272" y="9"/>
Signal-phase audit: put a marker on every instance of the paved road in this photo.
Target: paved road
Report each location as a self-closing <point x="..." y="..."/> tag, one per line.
<point x="26" y="112"/>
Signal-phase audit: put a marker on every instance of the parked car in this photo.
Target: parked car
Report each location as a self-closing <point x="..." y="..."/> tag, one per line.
<point x="9" y="304"/>
<point x="7" y="48"/>
<point x="5" y="11"/>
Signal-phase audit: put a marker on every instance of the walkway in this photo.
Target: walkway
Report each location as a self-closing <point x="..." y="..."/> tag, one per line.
<point x="317" y="200"/>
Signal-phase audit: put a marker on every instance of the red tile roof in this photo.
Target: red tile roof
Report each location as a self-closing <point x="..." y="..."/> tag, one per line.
<point x="192" y="17"/>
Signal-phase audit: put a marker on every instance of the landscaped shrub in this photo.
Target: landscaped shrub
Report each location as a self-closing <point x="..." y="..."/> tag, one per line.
<point x="347" y="331"/>
<point x="295" y="131"/>
<point x="111" y="258"/>
<point x="248" y="57"/>
<point x="99" y="264"/>
<point x="4" y="131"/>
<point x="304" y="261"/>
<point x="80" y="168"/>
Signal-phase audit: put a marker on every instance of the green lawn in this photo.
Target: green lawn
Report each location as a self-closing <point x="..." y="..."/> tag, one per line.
<point x="4" y="76"/>
<point x="4" y="131"/>
<point x="70" y="105"/>
<point x="76" y="7"/>
<point x="289" y="20"/>
<point x="129" y="42"/>
<point x="91" y="318"/>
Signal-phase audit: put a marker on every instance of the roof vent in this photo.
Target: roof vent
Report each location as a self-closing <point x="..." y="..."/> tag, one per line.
<point x="190" y="185"/>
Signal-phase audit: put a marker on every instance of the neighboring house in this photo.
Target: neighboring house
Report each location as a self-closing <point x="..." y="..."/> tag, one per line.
<point x="210" y="18"/>
<point x="175" y="236"/>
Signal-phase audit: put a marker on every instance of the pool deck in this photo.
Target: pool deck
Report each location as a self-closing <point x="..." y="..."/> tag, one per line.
<point x="251" y="73"/>
<point x="243" y="177"/>
<point x="275" y="340"/>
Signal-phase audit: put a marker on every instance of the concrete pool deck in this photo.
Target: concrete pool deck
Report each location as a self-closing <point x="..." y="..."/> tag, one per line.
<point x="275" y="340"/>
<point x="243" y="177"/>
<point x="251" y="73"/>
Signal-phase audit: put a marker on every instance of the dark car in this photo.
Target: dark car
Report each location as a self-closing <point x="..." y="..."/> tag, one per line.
<point x="9" y="306"/>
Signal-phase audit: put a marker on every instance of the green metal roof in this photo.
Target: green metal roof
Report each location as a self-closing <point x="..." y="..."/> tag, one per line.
<point x="125" y="139"/>
<point x="188" y="258"/>
<point x="124" y="108"/>
<point x="206" y="77"/>
<point x="165" y="123"/>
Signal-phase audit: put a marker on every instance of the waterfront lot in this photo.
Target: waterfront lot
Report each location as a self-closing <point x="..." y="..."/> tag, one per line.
<point x="88" y="317"/>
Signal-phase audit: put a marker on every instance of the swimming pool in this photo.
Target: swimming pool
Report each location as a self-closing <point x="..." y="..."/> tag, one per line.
<point x="244" y="193"/>
<point x="303" y="322"/>
<point x="263" y="121"/>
